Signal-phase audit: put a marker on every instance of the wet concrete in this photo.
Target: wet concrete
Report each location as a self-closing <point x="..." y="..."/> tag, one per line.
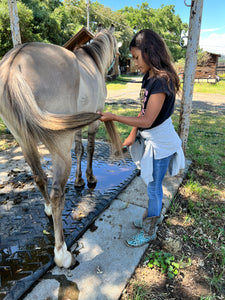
<point x="26" y="234"/>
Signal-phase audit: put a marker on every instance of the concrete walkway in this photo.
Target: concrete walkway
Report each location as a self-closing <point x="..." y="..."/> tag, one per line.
<point x="105" y="263"/>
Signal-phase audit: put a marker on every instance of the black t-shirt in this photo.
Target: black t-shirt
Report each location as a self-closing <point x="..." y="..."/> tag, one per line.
<point x="156" y="85"/>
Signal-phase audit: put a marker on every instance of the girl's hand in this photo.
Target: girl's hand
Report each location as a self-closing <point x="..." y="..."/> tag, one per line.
<point x="129" y="140"/>
<point x="106" y="116"/>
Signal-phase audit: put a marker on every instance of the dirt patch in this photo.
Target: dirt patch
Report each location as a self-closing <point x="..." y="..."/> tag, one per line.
<point x="197" y="254"/>
<point x="7" y="141"/>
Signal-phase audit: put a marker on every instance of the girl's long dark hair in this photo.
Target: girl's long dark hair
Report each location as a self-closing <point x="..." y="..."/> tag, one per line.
<point x="156" y="55"/>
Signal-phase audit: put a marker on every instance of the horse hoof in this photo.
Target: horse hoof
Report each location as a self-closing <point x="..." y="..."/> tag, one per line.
<point x="79" y="184"/>
<point x="92" y="181"/>
<point x="63" y="258"/>
<point x="92" y="185"/>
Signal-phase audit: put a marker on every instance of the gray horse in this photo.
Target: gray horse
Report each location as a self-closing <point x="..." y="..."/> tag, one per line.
<point x="47" y="94"/>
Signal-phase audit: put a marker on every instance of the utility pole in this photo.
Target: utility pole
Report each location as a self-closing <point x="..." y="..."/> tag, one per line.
<point x="88" y="5"/>
<point x="14" y="22"/>
<point x="190" y="69"/>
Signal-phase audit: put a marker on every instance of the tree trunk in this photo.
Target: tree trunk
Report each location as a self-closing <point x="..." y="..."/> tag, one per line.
<point x="14" y="22"/>
<point x="189" y="70"/>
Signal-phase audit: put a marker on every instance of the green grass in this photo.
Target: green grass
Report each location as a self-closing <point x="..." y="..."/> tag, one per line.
<point x="164" y="261"/>
<point x="217" y="88"/>
<point x="206" y="141"/>
<point x="116" y="85"/>
<point x="2" y="127"/>
<point x="124" y="130"/>
<point x="120" y="82"/>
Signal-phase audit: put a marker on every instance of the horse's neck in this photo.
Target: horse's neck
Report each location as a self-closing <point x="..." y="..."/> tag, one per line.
<point x="88" y="56"/>
<point x="87" y="64"/>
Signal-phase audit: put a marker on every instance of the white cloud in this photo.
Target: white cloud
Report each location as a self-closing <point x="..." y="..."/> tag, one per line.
<point x="209" y="30"/>
<point x="214" y="43"/>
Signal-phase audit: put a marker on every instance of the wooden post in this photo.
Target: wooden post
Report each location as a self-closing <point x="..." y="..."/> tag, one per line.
<point x="88" y="6"/>
<point x="189" y="70"/>
<point x="14" y="22"/>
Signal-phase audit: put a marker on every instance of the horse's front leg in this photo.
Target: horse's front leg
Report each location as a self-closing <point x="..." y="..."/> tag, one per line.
<point x="79" y="151"/>
<point x="92" y="130"/>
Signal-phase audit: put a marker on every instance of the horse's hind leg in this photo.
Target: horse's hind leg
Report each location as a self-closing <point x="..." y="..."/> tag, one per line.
<point x="92" y="130"/>
<point x="32" y="157"/>
<point x="79" y="151"/>
<point x="61" y="171"/>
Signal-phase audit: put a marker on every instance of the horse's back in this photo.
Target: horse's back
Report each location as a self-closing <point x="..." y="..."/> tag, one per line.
<point x="51" y="72"/>
<point x="61" y="81"/>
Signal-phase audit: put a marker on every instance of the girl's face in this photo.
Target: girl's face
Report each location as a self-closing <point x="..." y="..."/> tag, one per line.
<point x="138" y="60"/>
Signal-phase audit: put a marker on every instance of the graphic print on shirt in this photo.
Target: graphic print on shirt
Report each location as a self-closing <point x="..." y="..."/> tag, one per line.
<point x="143" y="98"/>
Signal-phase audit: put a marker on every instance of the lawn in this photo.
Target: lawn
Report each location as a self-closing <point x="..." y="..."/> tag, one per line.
<point x="209" y="88"/>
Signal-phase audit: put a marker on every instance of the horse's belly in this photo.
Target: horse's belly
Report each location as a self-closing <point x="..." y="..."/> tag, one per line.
<point x="91" y="96"/>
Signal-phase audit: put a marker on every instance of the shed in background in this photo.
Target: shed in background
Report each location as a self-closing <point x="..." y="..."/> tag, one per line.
<point x="209" y="69"/>
<point x="82" y="37"/>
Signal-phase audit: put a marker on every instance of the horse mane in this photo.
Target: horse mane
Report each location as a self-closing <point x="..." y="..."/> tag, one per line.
<point x="101" y="49"/>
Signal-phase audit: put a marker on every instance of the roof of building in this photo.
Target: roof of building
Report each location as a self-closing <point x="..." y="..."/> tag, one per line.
<point x="80" y="38"/>
<point x="216" y="54"/>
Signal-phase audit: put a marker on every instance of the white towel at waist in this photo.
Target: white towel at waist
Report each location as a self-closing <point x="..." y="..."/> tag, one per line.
<point x="160" y="142"/>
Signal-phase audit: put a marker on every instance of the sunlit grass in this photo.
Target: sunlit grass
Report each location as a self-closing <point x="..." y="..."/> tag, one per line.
<point x="2" y="127"/>
<point x="123" y="129"/>
<point x="206" y="141"/>
<point x="217" y="88"/>
<point x="116" y="85"/>
<point x="120" y="83"/>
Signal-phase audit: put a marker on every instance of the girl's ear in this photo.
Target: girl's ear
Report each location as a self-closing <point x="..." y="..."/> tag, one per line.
<point x="112" y="29"/>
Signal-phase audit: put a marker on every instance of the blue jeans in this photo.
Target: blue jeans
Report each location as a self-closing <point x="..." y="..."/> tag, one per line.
<point x="154" y="189"/>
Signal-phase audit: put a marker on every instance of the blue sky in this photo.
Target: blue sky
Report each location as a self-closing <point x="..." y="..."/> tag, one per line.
<point x="212" y="37"/>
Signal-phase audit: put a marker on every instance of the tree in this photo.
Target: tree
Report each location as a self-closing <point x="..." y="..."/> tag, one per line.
<point x="26" y="23"/>
<point x="189" y="71"/>
<point x="99" y="14"/>
<point x="162" y="20"/>
<point x="45" y="27"/>
<point x="203" y="58"/>
<point x="56" y="21"/>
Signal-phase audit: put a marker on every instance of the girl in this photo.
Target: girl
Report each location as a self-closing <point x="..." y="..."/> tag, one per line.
<point x="162" y="146"/>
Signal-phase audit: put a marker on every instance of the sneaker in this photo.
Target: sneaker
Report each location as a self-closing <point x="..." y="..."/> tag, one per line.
<point x="139" y="239"/>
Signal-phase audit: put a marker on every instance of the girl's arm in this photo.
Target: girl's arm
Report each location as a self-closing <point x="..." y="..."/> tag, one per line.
<point x="153" y="108"/>
<point x="131" y="137"/>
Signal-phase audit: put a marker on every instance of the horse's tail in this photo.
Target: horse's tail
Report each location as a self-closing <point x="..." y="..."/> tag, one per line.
<point x="114" y="138"/>
<point x="28" y="113"/>
<point x="29" y="121"/>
